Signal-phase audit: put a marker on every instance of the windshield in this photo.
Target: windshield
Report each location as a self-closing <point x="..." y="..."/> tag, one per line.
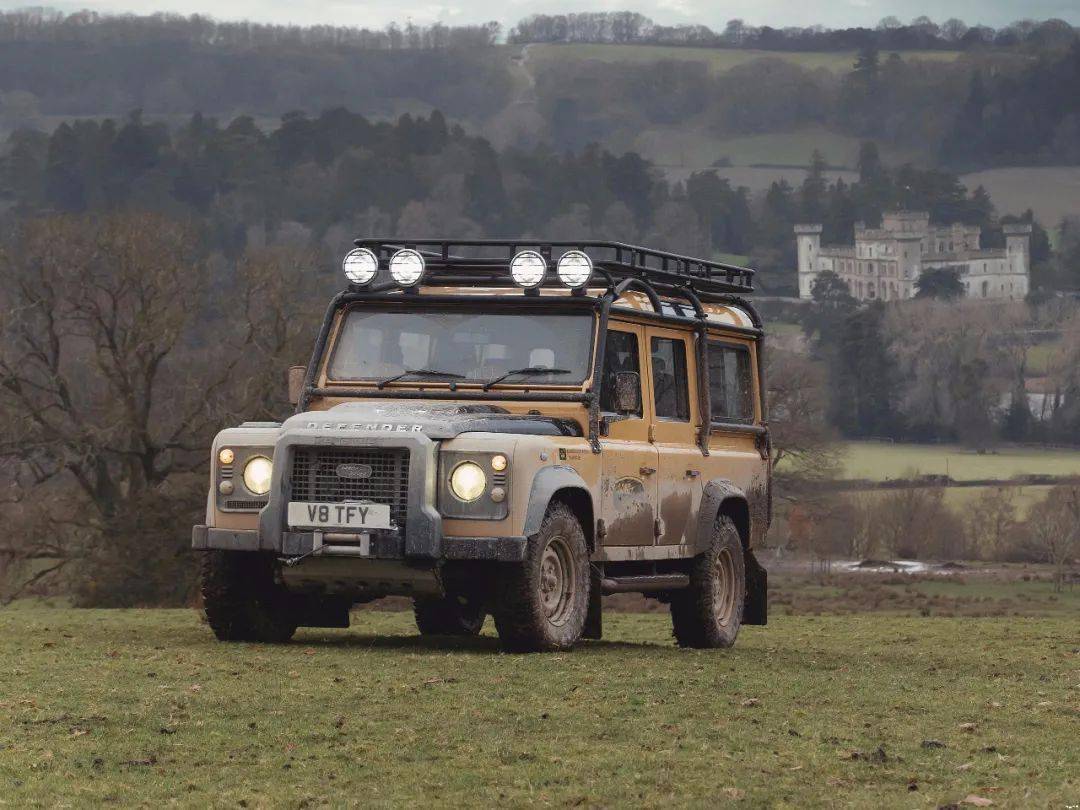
<point x="462" y="346"/>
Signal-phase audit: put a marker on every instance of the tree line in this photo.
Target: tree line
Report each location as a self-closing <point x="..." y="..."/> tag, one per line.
<point x="922" y="33"/>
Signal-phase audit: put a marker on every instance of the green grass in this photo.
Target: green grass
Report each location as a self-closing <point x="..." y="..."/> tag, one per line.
<point x="880" y="461"/>
<point x="1052" y="192"/>
<point x="144" y="708"/>
<point x="718" y="60"/>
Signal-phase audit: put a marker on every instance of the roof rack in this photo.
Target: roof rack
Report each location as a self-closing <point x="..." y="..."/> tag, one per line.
<point x="452" y="262"/>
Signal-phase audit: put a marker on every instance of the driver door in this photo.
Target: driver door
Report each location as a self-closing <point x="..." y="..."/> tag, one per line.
<point x="629" y="461"/>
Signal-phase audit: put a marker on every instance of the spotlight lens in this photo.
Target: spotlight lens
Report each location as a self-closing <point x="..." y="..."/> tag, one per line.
<point x="226" y="456"/>
<point x="360" y="265"/>
<point x="468" y="481"/>
<point x="498" y="463"/>
<point x="407" y="267"/>
<point x="528" y="268"/>
<point x="575" y="268"/>
<point x="257" y="474"/>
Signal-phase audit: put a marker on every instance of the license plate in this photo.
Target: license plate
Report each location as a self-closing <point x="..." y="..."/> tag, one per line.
<point x="357" y="516"/>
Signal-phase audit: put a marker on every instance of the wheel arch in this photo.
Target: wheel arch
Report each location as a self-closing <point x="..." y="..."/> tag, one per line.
<point x="723" y="497"/>
<point x="565" y="484"/>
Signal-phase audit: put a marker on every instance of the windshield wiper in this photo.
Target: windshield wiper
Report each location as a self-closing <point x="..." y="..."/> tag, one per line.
<point x="527" y="370"/>
<point x="419" y="372"/>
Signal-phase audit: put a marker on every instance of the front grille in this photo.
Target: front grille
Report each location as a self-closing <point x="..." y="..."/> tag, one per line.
<point x="373" y="474"/>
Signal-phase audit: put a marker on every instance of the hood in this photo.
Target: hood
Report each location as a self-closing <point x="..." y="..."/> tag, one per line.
<point x="434" y="420"/>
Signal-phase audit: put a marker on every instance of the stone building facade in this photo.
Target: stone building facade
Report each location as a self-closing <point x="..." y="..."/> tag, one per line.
<point x="884" y="263"/>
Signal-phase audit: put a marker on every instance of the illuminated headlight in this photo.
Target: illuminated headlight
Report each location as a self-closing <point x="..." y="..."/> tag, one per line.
<point x="257" y="474"/>
<point x="407" y="267"/>
<point x="528" y="269"/>
<point x="360" y="265"/>
<point x="468" y="481"/>
<point x="575" y="269"/>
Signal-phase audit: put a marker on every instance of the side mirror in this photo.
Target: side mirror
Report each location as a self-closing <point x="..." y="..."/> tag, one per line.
<point x="627" y="392"/>
<point x="296" y="383"/>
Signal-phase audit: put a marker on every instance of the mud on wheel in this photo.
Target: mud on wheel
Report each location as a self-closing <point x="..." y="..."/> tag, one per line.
<point x="541" y="603"/>
<point x="709" y="612"/>
<point x="242" y="601"/>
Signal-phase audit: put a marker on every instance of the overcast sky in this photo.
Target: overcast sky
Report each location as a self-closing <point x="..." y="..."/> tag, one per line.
<point x="778" y="13"/>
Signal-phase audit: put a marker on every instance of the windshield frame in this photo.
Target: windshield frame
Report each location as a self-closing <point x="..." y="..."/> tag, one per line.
<point x="464" y="305"/>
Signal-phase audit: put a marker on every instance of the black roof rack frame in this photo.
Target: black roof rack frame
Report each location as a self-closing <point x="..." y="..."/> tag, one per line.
<point x="453" y="262"/>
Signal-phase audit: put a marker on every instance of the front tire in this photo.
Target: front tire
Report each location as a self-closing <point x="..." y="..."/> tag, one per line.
<point x="241" y="600"/>
<point x="448" y="616"/>
<point x="541" y="603"/>
<point x="709" y="613"/>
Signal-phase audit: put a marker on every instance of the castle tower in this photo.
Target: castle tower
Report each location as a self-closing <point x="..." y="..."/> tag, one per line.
<point x="808" y="239"/>
<point x="1018" y="249"/>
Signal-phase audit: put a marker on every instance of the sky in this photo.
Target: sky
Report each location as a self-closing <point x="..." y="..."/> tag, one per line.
<point x="777" y="13"/>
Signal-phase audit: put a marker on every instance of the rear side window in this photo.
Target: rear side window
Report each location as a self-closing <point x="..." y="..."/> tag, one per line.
<point x="620" y="354"/>
<point x="669" y="379"/>
<point x="730" y="384"/>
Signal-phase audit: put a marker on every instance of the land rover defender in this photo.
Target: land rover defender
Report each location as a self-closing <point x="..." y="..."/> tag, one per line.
<point x="505" y="428"/>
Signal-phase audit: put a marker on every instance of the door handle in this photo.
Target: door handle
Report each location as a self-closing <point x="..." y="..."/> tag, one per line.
<point x="693" y="473"/>
<point x="647" y="470"/>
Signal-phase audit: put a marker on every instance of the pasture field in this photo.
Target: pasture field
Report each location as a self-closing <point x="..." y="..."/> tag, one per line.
<point x="717" y="59"/>
<point x="144" y="708"/>
<point x="1052" y="192"/>
<point x="882" y="461"/>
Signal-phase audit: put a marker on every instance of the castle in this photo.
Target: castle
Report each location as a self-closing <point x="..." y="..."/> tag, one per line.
<point x="885" y="263"/>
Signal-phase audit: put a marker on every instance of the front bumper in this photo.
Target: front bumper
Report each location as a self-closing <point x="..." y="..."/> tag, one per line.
<point x="295" y="544"/>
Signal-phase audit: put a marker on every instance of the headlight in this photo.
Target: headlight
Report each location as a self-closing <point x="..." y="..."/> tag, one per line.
<point x="257" y="474"/>
<point x="468" y="481"/>
<point x="575" y="269"/>
<point x="360" y="265"/>
<point x="528" y="269"/>
<point x="407" y="267"/>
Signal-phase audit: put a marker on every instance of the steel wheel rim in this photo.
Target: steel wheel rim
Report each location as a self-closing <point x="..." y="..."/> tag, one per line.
<point x="557" y="581"/>
<point x="724" y="588"/>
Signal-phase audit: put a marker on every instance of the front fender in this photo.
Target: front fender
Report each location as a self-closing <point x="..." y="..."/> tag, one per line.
<point x="545" y="484"/>
<point x="717" y="493"/>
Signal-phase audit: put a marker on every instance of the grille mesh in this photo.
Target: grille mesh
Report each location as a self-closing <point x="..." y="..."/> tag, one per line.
<point x="315" y="477"/>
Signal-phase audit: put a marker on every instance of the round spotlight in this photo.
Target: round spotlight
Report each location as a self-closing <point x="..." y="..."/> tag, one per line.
<point x="575" y="269"/>
<point x="360" y="265"/>
<point x="226" y="456"/>
<point x="498" y="462"/>
<point x="528" y="269"/>
<point x="407" y="267"/>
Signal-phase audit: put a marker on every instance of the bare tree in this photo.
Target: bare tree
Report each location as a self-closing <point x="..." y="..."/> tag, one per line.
<point x="1054" y="528"/>
<point x="102" y="397"/>
<point x="801" y="439"/>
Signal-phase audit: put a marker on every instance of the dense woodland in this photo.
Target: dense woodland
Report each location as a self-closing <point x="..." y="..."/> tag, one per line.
<point x="999" y="103"/>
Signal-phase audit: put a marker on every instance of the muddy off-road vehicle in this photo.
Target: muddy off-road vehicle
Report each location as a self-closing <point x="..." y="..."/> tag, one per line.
<point x="505" y="428"/>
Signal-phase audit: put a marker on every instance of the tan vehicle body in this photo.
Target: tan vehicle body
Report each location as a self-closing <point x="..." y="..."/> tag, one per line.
<point x="659" y="458"/>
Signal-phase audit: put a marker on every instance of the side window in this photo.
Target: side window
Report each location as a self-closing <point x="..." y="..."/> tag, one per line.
<point x="669" y="379"/>
<point x="620" y="354"/>
<point x="730" y="384"/>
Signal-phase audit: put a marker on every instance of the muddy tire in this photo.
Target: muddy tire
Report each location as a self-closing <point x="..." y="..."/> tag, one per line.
<point x="541" y="603"/>
<point x="708" y="613"/>
<point x="448" y="616"/>
<point x="241" y="600"/>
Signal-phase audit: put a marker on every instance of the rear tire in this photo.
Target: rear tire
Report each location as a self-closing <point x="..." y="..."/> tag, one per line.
<point x="241" y="600"/>
<point x="708" y="614"/>
<point x="448" y="616"/>
<point x="541" y="603"/>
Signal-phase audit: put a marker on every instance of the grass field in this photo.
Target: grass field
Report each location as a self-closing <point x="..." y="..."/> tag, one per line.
<point x="1052" y="192"/>
<point x="881" y="461"/>
<point x="717" y="59"/>
<point x="143" y="708"/>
